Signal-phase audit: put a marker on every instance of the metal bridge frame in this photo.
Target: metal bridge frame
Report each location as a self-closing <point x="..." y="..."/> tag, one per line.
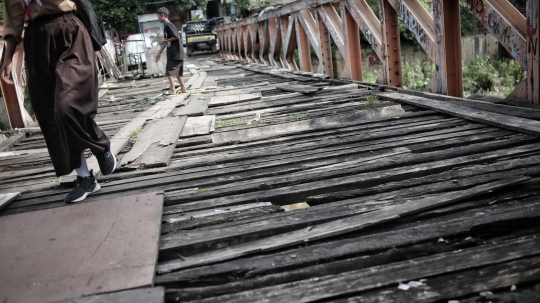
<point x="272" y="37"/>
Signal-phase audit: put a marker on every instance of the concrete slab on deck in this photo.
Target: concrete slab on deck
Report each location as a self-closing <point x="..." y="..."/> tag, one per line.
<point x="80" y="250"/>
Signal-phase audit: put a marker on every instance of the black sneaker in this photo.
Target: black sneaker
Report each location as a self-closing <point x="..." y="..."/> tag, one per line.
<point x="83" y="187"/>
<point x="107" y="162"/>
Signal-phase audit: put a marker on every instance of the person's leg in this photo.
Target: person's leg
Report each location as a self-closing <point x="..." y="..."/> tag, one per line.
<point x="182" y="85"/>
<point x="83" y="169"/>
<point x="180" y="79"/>
<point x="172" y="89"/>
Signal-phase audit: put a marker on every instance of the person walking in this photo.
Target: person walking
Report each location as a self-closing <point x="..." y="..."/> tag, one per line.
<point x="175" y="52"/>
<point x="62" y="83"/>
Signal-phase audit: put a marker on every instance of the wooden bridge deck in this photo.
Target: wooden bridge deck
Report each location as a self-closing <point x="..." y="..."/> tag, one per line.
<point x="395" y="198"/>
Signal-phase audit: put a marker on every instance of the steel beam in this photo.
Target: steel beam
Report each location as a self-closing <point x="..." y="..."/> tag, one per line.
<point x="332" y="21"/>
<point x="368" y="23"/>
<point x="449" y="76"/>
<point x="325" y="58"/>
<point x="506" y="24"/>
<point x="353" y="51"/>
<point x="264" y="42"/>
<point x="289" y="41"/>
<point x="533" y="52"/>
<point x="304" y="53"/>
<point x="392" y="52"/>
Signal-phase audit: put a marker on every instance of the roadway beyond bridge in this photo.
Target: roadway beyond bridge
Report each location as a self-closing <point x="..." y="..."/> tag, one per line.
<point x="270" y="185"/>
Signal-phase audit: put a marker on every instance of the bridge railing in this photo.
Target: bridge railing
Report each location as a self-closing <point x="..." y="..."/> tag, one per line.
<point x="272" y="37"/>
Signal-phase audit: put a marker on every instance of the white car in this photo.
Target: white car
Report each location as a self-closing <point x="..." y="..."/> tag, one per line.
<point x="136" y="47"/>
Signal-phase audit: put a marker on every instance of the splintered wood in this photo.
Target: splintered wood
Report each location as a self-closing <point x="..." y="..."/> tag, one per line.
<point x="155" y="144"/>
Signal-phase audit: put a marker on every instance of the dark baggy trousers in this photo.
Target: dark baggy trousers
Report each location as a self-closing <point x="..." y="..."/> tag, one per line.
<point x="63" y="86"/>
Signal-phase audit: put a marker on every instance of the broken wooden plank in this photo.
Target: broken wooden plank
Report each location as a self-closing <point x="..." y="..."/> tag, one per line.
<point x="232" y="99"/>
<point x="229" y="76"/>
<point x="336" y="227"/>
<point x="154" y="146"/>
<point x="142" y="295"/>
<point x="79" y="250"/>
<point x="192" y="220"/>
<point x="6" y="198"/>
<point x="266" y="132"/>
<point x="454" y="285"/>
<point x="303" y="89"/>
<point x="328" y="89"/>
<point x="197" y="126"/>
<point x="197" y="106"/>
<point x="527" y="126"/>
<point x="198" y="82"/>
<point x="399" y="235"/>
<point x="331" y="286"/>
<point x="9" y="142"/>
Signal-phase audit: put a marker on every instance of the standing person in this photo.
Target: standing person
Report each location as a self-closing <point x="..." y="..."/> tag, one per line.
<point x="175" y="51"/>
<point x="63" y="85"/>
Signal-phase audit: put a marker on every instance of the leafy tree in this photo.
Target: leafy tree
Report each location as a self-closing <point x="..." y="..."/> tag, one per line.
<point x="120" y="14"/>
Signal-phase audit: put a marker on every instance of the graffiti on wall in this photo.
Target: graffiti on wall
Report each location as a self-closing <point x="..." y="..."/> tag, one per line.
<point x="416" y="28"/>
<point x="514" y="43"/>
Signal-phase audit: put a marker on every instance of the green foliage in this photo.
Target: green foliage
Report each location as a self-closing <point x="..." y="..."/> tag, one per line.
<point x="479" y="76"/>
<point x="417" y="75"/>
<point x="243" y="4"/>
<point x="370" y="76"/>
<point x="264" y="3"/>
<point x="120" y="14"/>
<point x="469" y="23"/>
<point x="135" y="133"/>
<point x="186" y="5"/>
<point x="500" y="77"/>
<point x="372" y="100"/>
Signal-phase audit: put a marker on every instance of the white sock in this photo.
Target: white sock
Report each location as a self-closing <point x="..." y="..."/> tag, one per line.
<point x="83" y="169"/>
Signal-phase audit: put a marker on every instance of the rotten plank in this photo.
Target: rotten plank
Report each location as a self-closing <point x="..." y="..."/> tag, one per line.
<point x="336" y="227"/>
<point x="152" y="138"/>
<point x="266" y="132"/>
<point x="332" y="286"/>
<point x="400" y="235"/>
<point x="503" y="121"/>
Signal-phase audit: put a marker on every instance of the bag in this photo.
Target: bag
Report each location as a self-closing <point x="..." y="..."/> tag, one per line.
<point x="92" y="22"/>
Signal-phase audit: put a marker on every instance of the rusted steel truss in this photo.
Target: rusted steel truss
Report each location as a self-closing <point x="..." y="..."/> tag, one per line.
<point x="308" y="29"/>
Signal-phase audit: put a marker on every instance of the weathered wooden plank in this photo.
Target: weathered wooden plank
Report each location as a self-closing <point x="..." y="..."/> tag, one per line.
<point x="336" y="227"/>
<point x="504" y="121"/>
<point x="229" y="76"/>
<point x="216" y="216"/>
<point x="152" y="140"/>
<point x="198" y="173"/>
<point x="303" y="89"/>
<point x="254" y="229"/>
<point x="399" y="235"/>
<point x="386" y="275"/>
<point x="328" y="89"/>
<point x="198" y="82"/>
<point x="9" y="142"/>
<point x="265" y="132"/>
<point x="142" y="295"/>
<point x="197" y="126"/>
<point x="458" y="285"/>
<point x="197" y="106"/>
<point x="6" y="198"/>
<point x="232" y="99"/>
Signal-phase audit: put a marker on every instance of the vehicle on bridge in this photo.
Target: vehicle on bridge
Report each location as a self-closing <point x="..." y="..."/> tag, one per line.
<point x="200" y="36"/>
